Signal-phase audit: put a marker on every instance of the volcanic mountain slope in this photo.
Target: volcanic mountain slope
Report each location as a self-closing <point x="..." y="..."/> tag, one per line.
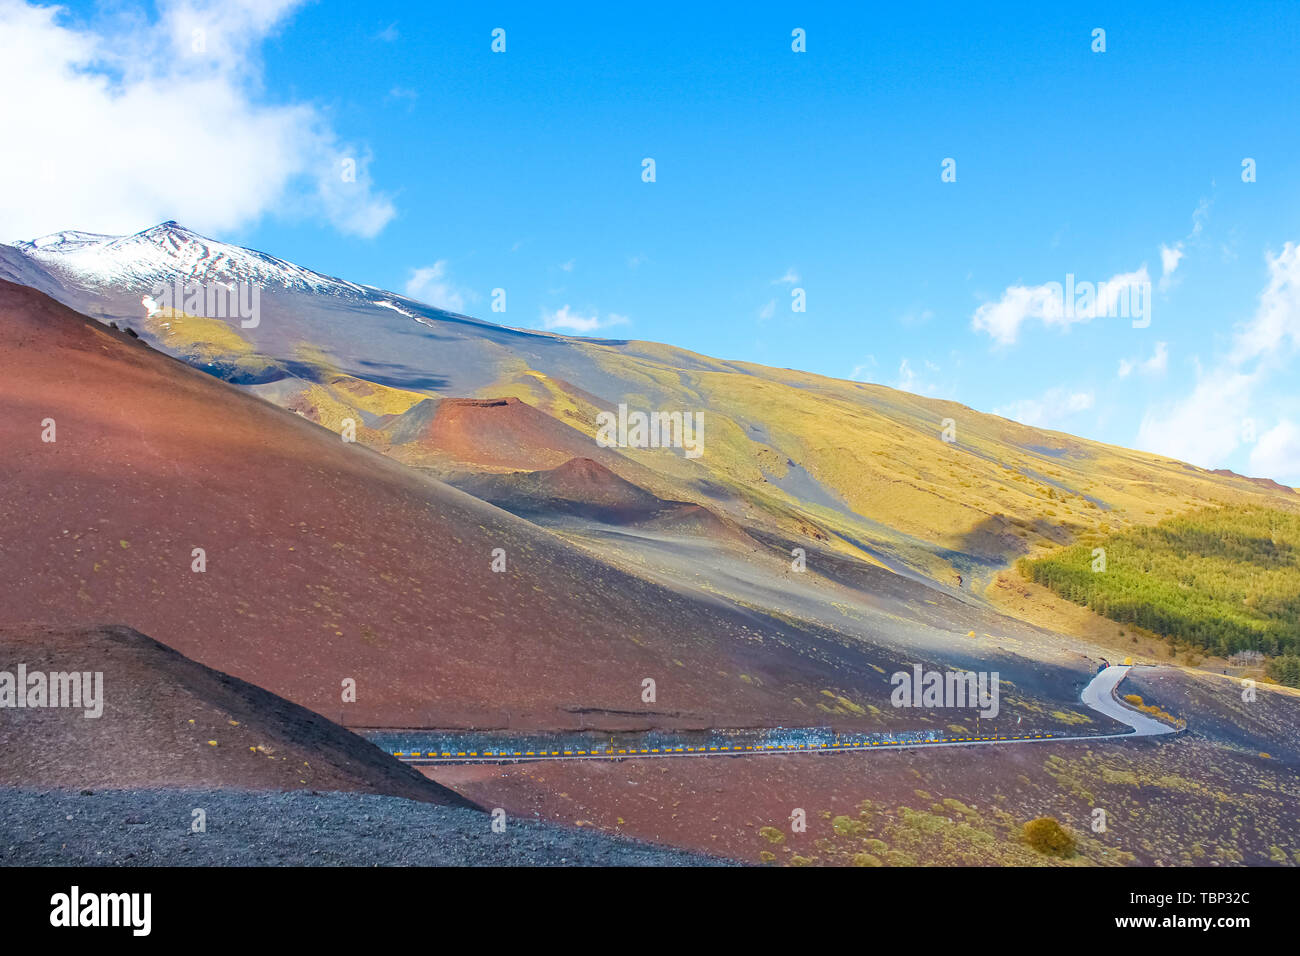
<point x="860" y="470"/>
<point x="260" y="544"/>
<point x="166" y="721"/>
<point x="324" y="561"/>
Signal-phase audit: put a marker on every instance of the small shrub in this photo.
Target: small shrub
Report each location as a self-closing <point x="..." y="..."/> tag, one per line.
<point x="845" y="826"/>
<point x="1047" y="836"/>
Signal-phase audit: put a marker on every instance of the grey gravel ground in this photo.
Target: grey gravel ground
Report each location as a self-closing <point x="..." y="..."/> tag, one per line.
<point x="301" y="828"/>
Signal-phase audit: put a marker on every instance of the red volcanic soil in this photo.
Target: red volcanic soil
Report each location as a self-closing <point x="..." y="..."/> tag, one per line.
<point x="938" y="806"/>
<point x="166" y="721"/>
<point x="1224" y="792"/>
<point x="586" y="488"/>
<point x="498" y="433"/>
<point x="580" y="480"/>
<point x="328" y="562"/>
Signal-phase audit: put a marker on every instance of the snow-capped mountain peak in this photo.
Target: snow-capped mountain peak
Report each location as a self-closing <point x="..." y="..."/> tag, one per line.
<point x="167" y="252"/>
<point x="63" y="240"/>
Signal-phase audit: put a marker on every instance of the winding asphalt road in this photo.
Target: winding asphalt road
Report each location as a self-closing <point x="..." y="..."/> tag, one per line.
<point x="1099" y="695"/>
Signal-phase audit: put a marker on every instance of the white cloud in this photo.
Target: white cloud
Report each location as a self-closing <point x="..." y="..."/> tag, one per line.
<point x="1050" y="304"/>
<point x="906" y="377"/>
<point x="568" y="266"/>
<point x="1047" y="410"/>
<point x="862" y="369"/>
<point x="909" y="381"/>
<point x="429" y="284"/>
<point x="566" y="318"/>
<point x="790" y="278"/>
<point x="768" y="310"/>
<point x="1002" y="319"/>
<point x="1205" y="427"/>
<point x="1155" y="365"/>
<point x="139" y="121"/>
<point x="1276" y="322"/>
<point x="1199" y="215"/>
<point x="1277" y="454"/>
<point x="1170" y="256"/>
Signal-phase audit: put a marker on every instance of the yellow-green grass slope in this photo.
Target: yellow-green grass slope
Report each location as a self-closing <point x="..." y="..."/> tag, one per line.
<point x="854" y="468"/>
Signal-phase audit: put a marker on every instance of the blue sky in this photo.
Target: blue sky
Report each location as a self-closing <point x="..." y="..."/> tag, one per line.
<point x="775" y="170"/>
